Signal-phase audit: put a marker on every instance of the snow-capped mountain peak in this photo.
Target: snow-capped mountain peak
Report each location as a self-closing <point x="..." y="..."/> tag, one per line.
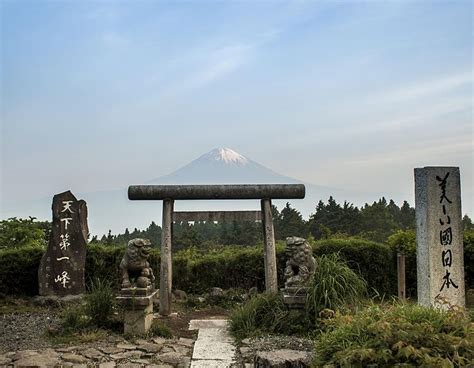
<point x="226" y="155"/>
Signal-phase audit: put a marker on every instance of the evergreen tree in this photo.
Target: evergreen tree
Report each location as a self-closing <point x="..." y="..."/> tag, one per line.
<point x="153" y="233"/>
<point x="290" y="223"/>
<point x="467" y="224"/>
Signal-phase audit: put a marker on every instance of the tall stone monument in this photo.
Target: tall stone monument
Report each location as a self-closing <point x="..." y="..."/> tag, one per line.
<point x="61" y="270"/>
<point x="439" y="237"/>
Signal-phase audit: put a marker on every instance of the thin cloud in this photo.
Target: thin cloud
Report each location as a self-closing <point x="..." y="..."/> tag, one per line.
<point x="445" y="148"/>
<point x="222" y="62"/>
<point x="426" y="88"/>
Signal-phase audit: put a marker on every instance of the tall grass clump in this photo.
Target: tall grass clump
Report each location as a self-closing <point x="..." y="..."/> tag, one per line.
<point x="262" y="313"/>
<point x="334" y="285"/>
<point x="388" y="335"/>
<point x="100" y="302"/>
<point x="96" y="311"/>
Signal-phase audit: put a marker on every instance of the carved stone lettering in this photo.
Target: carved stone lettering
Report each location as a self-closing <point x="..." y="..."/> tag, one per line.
<point x="61" y="270"/>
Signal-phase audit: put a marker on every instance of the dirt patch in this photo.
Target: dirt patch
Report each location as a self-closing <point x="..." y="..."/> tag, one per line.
<point x="25" y="325"/>
<point x="179" y="324"/>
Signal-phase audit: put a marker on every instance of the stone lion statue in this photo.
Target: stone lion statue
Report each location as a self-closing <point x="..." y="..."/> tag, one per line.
<point x="135" y="263"/>
<point x="300" y="264"/>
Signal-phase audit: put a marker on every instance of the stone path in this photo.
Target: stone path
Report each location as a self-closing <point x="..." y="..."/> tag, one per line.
<point x="154" y="353"/>
<point x="214" y="348"/>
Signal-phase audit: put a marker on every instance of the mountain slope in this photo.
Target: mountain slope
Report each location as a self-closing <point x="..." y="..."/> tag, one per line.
<point x="221" y="166"/>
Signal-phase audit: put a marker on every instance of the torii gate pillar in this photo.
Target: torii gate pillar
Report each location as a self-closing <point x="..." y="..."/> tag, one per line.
<point x="166" y="272"/>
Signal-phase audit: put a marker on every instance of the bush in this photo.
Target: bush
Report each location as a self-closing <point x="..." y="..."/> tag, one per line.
<point x="469" y="258"/>
<point x="161" y="330"/>
<point x="401" y="334"/>
<point x="97" y="311"/>
<point x="405" y="241"/>
<point x="100" y="303"/>
<point x="19" y="270"/>
<point x="334" y="285"/>
<point x="20" y="232"/>
<point x="74" y="318"/>
<point x="373" y="261"/>
<point x="262" y="313"/>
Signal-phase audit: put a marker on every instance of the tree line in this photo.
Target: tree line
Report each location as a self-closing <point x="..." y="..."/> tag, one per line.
<point x="376" y="221"/>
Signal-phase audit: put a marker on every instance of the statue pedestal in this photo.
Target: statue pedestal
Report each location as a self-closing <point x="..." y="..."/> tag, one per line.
<point x="138" y="309"/>
<point x="295" y="297"/>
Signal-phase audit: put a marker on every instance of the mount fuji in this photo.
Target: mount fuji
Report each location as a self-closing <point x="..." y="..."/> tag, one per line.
<point x="112" y="210"/>
<point x="223" y="166"/>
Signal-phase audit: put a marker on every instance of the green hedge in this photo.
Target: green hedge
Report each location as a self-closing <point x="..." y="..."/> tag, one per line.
<point x="196" y="270"/>
<point x="374" y="261"/>
<point x="231" y="266"/>
<point x="19" y="270"/>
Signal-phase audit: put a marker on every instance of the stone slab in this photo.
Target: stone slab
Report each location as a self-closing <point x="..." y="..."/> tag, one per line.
<point x="211" y="349"/>
<point x="61" y="270"/>
<point x="212" y="364"/>
<point x="439" y="237"/>
<point x="137" y="302"/>
<point x="214" y="346"/>
<point x="198" y="324"/>
<point x="135" y="291"/>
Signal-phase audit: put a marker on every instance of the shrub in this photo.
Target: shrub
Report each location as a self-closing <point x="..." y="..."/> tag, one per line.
<point x="97" y="310"/>
<point x="469" y="258"/>
<point x="405" y="241"/>
<point x="401" y="334"/>
<point x="100" y="303"/>
<point x="74" y="318"/>
<point x="161" y="330"/>
<point x="19" y="270"/>
<point x="20" y="232"/>
<point x="334" y="285"/>
<point x="262" y="313"/>
<point x="374" y="261"/>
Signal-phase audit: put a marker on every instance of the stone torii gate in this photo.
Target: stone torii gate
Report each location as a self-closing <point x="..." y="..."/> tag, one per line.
<point x="169" y="193"/>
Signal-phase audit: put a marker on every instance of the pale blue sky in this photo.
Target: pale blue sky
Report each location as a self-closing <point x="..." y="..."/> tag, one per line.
<point x="101" y="94"/>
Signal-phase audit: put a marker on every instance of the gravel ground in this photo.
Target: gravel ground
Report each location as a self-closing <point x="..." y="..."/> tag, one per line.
<point x="22" y="331"/>
<point x="274" y="342"/>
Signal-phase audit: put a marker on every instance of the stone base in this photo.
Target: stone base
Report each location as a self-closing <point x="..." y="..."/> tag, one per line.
<point x="295" y="297"/>
<point x="138" y="322"/>
<point x="134" y="291"/>
<point x="138" y="313"/>
<point x="57" y="301"/>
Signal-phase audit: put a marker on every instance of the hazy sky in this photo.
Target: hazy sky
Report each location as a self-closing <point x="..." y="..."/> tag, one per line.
<point x="99" y="95"/>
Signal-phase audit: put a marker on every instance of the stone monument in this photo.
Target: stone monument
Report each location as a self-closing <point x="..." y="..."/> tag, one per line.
<point x="439" y="238"/>
<point x="61" y="271"/>
<point x="300" y="266"/>
<point x="138" y="287"/>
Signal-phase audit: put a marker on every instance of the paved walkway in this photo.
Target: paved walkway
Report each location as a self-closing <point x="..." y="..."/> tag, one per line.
<point x="214" y="347"/>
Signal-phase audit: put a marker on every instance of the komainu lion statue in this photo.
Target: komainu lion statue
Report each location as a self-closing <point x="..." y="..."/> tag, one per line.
<point x="135" y="263"/>
<point x="300" y="264"/>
